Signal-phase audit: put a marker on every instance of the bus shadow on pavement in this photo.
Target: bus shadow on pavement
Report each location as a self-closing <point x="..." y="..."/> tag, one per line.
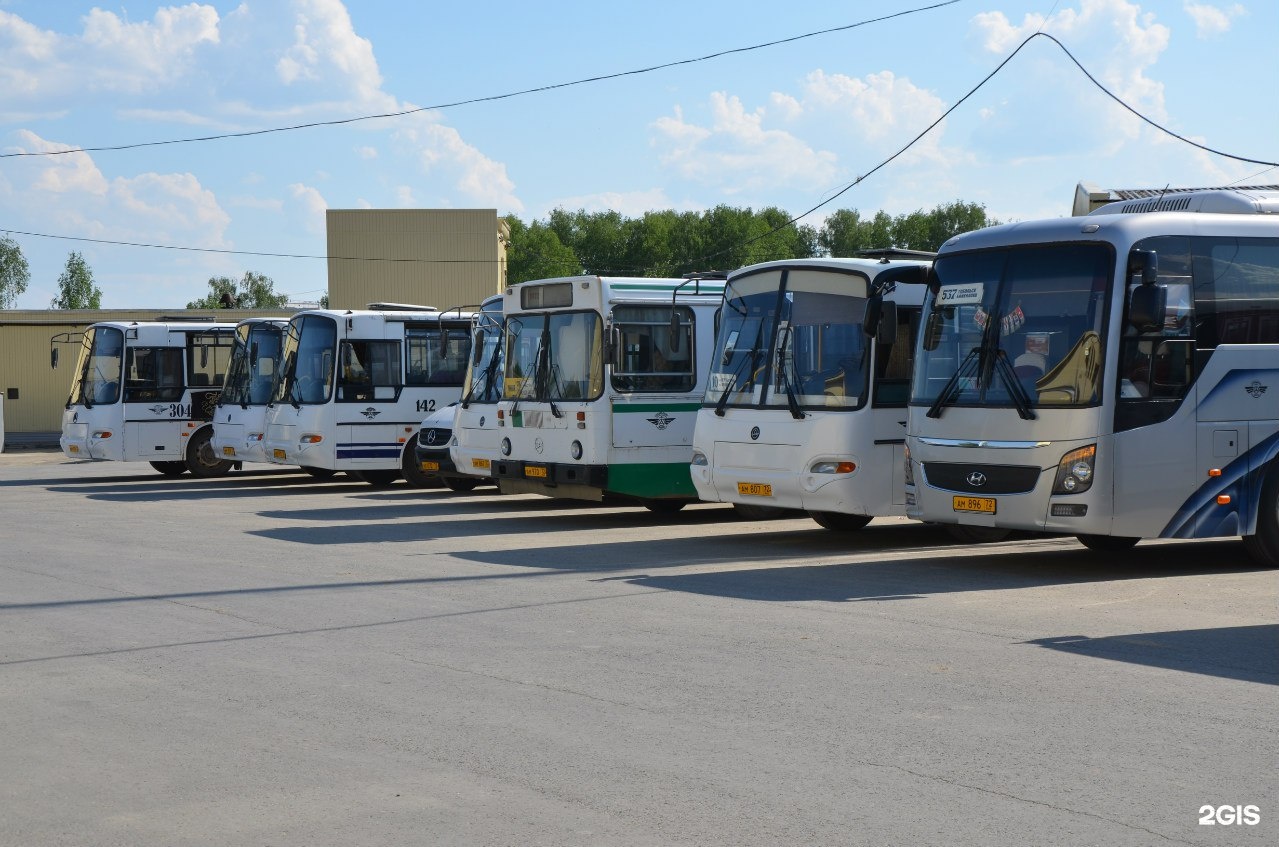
<point x="1245" y="653"/>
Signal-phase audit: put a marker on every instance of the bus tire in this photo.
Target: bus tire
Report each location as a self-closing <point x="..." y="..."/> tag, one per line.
<point x="412" y="471"/>
<point x="664" y="507"/>
<point x="461" y="486"/>
<point x="754" y="512"/>
<point x="377" y="479"/>
<point x="1108" y="543"/>
<point x="319" y="473"/>
<point x="839" y="521"/>
<point x="1264" y="546"/>
<point x="201" y="460"/>
<point x="170" y="468"/>
<point x="977" y="534"/>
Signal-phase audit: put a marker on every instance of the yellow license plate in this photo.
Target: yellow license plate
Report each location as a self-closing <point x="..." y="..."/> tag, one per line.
<point x="430" y="466"/>
<point x="481" y="463"/>
<point x="535" y="471"/>
<point x="73" y="449"/>
<point x="981" y="505"/>
<point x="279" y="454"/>
<point x="228" y="451"/>
<point x="755" y="489"/>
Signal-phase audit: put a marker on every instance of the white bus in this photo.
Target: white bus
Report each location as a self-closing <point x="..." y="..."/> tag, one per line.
<point x="602" y="381"/>
<point x="146" y="391"/>
<point x="804" y="409"/>
<point x="354" y="387"/>
<point x="239" y="424"/>
<point x="474" y="434"/>
<point x="1113" y="377"/>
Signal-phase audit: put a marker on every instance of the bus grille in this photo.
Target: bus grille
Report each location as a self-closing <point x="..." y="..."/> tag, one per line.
<point x="974" y="478"/>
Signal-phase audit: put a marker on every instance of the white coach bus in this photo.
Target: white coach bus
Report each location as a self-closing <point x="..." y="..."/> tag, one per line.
<point x="602" y="381"/>
<point x="354" y="387"/>
<point x="1113" y="377"/>
<point x="804" y="409"/>
<point x="475" y="434"/>
<point x="146" y="392"/>
<point x="239" y="424"/>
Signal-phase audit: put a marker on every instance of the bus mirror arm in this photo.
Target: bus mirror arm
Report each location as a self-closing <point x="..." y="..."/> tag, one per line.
<point x="932" y="329"/>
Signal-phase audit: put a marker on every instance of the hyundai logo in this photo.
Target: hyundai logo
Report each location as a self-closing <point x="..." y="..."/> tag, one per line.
<point x="976" y="479"/>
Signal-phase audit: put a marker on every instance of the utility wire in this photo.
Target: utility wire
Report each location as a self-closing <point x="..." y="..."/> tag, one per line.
<point x="701" y="259"/>
<point x="488" y="99"/>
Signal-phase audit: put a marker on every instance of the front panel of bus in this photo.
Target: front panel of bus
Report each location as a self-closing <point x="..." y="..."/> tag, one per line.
<point x="476" y="437"/>
<point x="239" y="425"/>
<point x="93" y="422"/>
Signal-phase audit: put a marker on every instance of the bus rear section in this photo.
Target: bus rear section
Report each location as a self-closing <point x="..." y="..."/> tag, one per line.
<point x="355" y="386"/>
<point x="603" y="377"/>
<point x="146" y="391"/>
<point x="1108" y="377"/>
<point x="804" y="409"/>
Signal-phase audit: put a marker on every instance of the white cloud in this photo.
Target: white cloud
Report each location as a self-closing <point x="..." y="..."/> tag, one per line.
<point x="628" y="203"/>
<point x="1211" y="21"/>
<point x="404" y="197"/>
<point x="313" y="207"/>
<point x="366" y="152"/>
<point x="441" y="151"/>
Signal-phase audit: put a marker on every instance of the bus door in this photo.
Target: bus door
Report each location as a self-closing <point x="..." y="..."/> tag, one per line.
<point x="894" y="363"/>
<point x="154" y="407"/>
<point x="369" y="384"/>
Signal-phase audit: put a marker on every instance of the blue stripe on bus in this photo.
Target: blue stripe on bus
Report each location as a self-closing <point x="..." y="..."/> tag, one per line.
<point x="1202" y="517"/>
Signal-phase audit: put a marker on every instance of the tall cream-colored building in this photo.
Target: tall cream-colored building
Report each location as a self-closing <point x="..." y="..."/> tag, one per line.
<point x="427" y="257"/>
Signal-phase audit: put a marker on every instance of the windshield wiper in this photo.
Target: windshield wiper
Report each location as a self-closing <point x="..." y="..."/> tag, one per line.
<point x="951" y="388"/>
<point x="1021" y="398"/>
<point x="489" y="373"/>
<point x="792" y="402"/>
<point x="753" y="359"/>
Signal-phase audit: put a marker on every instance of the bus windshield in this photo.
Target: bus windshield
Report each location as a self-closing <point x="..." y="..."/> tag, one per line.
<point x="97" y="373"/>
<point x="484" y="373"/>
<point x="554" y="356"/>
<point x="1017" y="326"/>
<point x="254" y="359"/>
<point x="308" y="357"/>
<point x="791" y="337"/>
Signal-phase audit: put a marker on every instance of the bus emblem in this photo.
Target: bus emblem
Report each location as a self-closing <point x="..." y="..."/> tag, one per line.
<point x="538" y="446"/>
<point x="976" y="479"/>
<point x="754" y="433"/>
<point x="430" y="436"/>
<point x="1256" y="389"/>
<point x="662" y="421"/>
<point x="156" y="410"/>
<point x="370" y="413"/>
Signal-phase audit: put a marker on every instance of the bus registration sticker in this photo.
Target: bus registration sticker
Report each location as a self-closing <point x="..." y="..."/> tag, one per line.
<point x="537" y="471"/>
<point x="981" y="505"/>
<point x="755" y="489"/>
<point x="480" y="463"/>
<point x="430" y="466"/>
<point x="961" y="295"/>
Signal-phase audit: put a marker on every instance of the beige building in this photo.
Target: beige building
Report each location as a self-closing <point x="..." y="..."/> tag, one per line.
<point x="34" y="392"/>
<point x="427" y="257"/>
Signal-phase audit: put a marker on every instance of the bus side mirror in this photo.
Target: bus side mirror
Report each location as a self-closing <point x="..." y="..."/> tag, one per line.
<point x="887" y="333"/>
<point x="444" y="343"/>
<point x="932" y="330"/>
<point x="477" y="347"/>
<point x="874" y="310"/>
<point x="53" y="358"/>
<point x="1144" y="263"/>
<point x="675" y="325"/>
<point x="1147" y="306"/>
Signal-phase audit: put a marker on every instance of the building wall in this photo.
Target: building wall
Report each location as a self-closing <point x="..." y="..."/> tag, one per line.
<point x="34" y="392"/>
<point x="427" y="257"/>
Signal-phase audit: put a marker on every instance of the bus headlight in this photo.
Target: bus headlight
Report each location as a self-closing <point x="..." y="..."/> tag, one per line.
<point x="1075" y="471"/>
<point x="833" y="467"/>
<point x="102" y="433"/>
<point x="699" y="459"/>
<point x="506" y="446"/>
<point x="575" y="450"/>
<point x="311" y="438"/>
<point x="255" y="436"/>
<point x="909" y="472"/>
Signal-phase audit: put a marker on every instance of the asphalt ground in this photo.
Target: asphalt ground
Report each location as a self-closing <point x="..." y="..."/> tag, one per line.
<point x="269" y="660"/>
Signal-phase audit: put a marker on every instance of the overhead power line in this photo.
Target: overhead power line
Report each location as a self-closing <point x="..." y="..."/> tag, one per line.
<point x="488" y="99"/>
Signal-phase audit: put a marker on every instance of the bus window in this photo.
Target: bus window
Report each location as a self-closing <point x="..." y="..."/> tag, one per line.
<point x="153" y="373"/>
<point x="426" y="365"/>
<point x="895" y="362"/>
<point x="208" y="354"/>
<point x="646" y="358"/>
<point x="370" y="371"/>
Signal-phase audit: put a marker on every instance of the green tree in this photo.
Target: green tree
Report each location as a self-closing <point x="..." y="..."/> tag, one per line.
<point x="324" y="300"/>
<point x="14" y="273"/>
<point x="536" y="252"/>
<point x="75" y="286"/>
<point x="845" y="231"/>
<point x="253" y="291"/>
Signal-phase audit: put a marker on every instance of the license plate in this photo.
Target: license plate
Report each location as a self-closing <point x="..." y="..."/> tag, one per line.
<point x="482" y="464"/>
<point x="981" y="505"/>
<point x="535" y="471"/>
<point x="279" y="454"/>
<point x="73" y="449"/>
<point x="755" y="489"/>
<point x="228" y="451"/>
<point x="430" y="466"/>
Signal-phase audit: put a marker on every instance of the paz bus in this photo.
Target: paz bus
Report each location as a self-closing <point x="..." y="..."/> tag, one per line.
<point x="145" y="391"/>
<point x="601" y="385"/>
<point x="805" y="406"/>
<point x="470" y="434"/>
<point x="239" y="423"/>
<point x="1113" y="376"/>
<point x="354" y="387"/>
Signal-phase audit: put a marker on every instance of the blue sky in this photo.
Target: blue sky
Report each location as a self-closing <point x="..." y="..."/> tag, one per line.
<point x="784" y="126"/>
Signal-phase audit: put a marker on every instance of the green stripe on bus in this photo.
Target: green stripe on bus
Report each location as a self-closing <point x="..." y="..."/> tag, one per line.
<point x="668" y="479"/>
<point x="687" y="289"/>
<point x="621" y="408"/>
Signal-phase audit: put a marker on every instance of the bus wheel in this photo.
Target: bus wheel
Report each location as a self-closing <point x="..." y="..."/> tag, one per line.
<point x="201" y="460"/>
<point x="664" y="507"/>
<point x="413" y="473"/>
<point x="1107" y="543"/>
<point x="753" y="512"/>
<point x="170" y="468"/>
<point x="377" y="479"/>
<point x="452" y="483"/>
<point x="840" y="522"/>
<point x="319" y="473"/>
<point x="1264" y="546"/>
<point x="976" y="534"/>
